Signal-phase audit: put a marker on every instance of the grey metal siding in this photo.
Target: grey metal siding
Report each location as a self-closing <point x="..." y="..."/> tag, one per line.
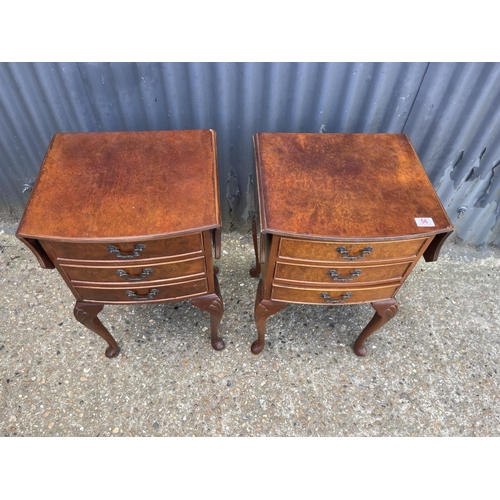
<point x="455" y="128"/>
<point x="449" y="110"/>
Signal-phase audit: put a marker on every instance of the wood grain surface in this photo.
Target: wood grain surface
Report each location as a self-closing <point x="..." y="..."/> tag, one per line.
<point x="344" y="186"/>
<point x="124" y="184"/>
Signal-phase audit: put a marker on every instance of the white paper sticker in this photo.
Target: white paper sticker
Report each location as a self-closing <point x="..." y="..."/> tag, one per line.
<point x="424" y="222"/>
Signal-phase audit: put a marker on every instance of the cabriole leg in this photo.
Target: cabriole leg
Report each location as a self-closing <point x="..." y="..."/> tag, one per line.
<point x="385" y="310"/>
<point x="263" y="309"/>
<point x="86" y="314"/>
<point x="213" y="304"/>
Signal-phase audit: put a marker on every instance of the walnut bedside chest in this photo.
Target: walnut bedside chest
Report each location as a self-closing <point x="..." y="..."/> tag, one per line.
<point x="343" y="218"/>
<point x="129" y="218"/>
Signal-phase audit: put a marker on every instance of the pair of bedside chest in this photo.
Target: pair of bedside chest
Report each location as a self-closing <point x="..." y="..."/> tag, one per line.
<point x="131" y="217"/>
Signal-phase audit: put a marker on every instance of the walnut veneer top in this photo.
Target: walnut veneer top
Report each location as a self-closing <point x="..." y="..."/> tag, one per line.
<point x="331" y="186"/>
<point x="118" y="185"/>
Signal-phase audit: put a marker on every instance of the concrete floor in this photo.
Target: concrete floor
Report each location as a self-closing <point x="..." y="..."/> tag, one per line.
<point x="431" y="371"/>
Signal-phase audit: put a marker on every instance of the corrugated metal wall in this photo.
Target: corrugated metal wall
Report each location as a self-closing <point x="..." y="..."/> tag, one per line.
<point x="455" y="128"/>
<point x="450" y="111"/>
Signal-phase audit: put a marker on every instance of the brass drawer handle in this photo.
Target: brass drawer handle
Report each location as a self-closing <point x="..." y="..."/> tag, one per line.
<point x="146" y="272"/>
<point x="149" y="296"/>
<point x="335" y="275"/>
<point x="327" y="297"/>
<point x="138" y="248"/>
<point x="345" y="253"/>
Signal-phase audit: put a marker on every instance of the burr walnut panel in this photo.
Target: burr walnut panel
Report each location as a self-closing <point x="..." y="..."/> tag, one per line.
<point x="346" y="185"/>
<point x="345" y="252"/>
<point x="142" y="294"/>
<point x="128" y="251"/>
<point x="338" y="274"/>
<point x="328" y="296"/>
<point x="125" y="184"/>
<point x="143" y="271"/>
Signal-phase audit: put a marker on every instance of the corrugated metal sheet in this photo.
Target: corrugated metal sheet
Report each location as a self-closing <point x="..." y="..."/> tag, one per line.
<point x="445" y="109"/>
<point x="455" y="128"/>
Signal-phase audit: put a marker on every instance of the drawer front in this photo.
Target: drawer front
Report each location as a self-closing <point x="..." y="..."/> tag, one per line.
<point x="349" y="252"/>
<point x="339" y="275"/>
<point x="145" y="271"/>
<point x="128" y="251"/>
<point x="143" y="294"/>
<point x="328" y="296"/>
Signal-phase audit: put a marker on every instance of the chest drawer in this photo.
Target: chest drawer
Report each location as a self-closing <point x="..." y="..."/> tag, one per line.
<point x="128" y="251"/>
<point x="340" y="274"/>
<point x="145" y="271"/>
<point x="328" y="296"/>
<point x="349" y="252"/>
<point x="137" y="294"/>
